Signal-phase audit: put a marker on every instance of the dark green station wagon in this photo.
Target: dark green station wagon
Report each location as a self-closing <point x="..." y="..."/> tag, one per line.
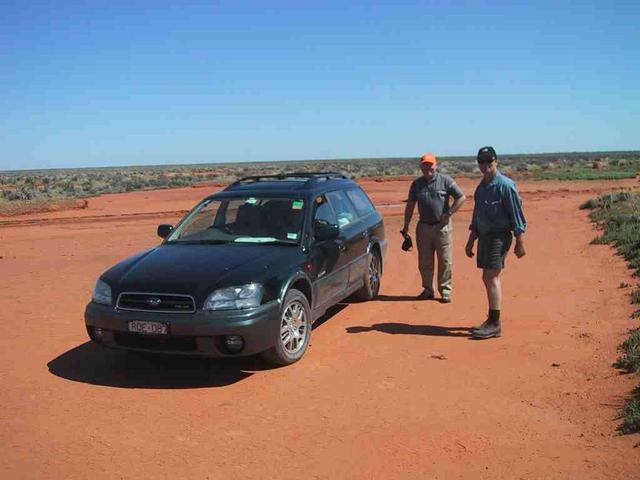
<point x="247" y="271"/>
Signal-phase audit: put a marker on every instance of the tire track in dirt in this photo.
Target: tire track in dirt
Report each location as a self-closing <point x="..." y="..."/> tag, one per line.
<point x="89" y="219"/>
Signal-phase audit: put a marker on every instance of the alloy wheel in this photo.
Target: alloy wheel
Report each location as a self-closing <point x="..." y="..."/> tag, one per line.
<point x="294" y="327"/>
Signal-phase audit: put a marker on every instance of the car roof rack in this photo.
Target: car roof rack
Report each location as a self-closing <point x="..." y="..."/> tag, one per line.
<point x="308" y="177"/>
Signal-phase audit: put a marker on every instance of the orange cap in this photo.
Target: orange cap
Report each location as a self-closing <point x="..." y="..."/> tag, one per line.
<point x="429" y="158"/>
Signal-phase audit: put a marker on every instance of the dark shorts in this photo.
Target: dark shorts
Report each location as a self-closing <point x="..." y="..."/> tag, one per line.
<point x="492" y="250"/>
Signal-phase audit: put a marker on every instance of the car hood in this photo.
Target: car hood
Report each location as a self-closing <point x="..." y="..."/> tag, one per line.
<point x="198" y="269"/>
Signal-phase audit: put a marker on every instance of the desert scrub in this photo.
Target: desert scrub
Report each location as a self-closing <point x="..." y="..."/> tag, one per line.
<point x="630" y="414"/>
<point x="603" y="167"/>
<point x="580" y="174"/>
<point x="629" y="360"/>
<point x="606" y="200"/>
<point x="618" y="216"/>
<point x="27" y="185"/>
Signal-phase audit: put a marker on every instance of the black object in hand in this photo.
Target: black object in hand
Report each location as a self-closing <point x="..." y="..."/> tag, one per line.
<point x="407" y="244"/>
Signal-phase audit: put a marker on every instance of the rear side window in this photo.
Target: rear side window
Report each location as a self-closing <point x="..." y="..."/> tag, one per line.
<point x="345" y="212"/>
<point x="360" y="201"/>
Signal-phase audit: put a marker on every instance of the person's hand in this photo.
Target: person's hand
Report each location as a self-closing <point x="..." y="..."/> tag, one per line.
<point x="444" y="219"/>
<point x="468" y="249"/>
<point x="519" y="250"/>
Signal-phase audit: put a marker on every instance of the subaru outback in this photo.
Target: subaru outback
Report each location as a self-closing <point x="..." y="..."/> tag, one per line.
<point x="248" y="270"/>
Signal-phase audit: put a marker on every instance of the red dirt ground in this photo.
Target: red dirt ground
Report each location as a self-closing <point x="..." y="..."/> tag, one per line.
<point x="389" y="389"/>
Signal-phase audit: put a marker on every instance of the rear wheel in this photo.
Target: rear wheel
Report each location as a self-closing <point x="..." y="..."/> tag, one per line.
<point x="371" y="279"/>
<point x="294" y="332"/>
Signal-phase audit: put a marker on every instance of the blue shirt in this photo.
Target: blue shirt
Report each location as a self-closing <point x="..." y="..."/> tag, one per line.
<point x="497" y="207"/>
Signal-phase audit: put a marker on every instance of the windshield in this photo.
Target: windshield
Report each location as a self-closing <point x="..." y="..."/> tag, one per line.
<point x="243" y="220"/>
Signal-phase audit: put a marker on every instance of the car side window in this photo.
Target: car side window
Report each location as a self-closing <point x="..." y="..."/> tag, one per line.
<point x="324" y="212"/>
<point x="345" y="212"/>
<point x="360" y="201"/>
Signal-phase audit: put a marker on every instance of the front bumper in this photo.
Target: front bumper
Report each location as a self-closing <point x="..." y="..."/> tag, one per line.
<point x="200" y="333"/>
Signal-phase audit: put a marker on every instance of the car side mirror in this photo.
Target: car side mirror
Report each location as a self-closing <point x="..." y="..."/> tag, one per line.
<point x="325" y="231"/>
<point x="164" y="230"/>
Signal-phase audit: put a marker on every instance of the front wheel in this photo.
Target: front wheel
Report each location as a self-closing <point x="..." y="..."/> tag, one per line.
<point x="294" y="332"/>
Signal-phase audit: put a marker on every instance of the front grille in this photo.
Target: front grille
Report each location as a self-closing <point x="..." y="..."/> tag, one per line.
<point x="156" y="302"/>
<point x="172" y="344"/>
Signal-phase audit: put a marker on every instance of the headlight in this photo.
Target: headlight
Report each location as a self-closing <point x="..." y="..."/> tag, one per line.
<point x="102" y="293"/>
<point x="234" y="298"/>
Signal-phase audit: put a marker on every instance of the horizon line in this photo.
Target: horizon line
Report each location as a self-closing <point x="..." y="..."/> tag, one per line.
<point x="343" y="159"/>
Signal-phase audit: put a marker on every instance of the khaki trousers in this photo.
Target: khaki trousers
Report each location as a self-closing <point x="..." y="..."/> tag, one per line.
<point x="439" y="240"/>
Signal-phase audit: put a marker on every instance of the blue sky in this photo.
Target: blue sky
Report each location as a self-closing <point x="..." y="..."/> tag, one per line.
<point x="151" y="82"/>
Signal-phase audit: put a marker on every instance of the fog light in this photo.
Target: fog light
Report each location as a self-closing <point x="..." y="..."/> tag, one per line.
<point x="95" y="333"/>
<point x="234" y="343"/>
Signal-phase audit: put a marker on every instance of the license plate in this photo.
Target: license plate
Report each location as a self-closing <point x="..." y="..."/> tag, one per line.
<point x="148" y="328"/>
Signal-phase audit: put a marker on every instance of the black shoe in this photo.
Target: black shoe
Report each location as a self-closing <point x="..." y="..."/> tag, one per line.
<point x="425" y="295"/>
<point x="445" y="299"/>
<point x="487" y="330"/>
<point x="484" y="324"/>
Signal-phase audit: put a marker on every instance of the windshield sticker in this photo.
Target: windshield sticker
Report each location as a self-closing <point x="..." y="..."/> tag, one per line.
<point x="297" y="204"/>
<point x="292" y="236"/>
<point x="251" y="200"/>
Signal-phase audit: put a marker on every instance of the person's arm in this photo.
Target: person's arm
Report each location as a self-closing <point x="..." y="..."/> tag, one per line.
<point x="457" y="203"/>
<point x="408" y="213"/>
<point x="473" y="227"/>
<point x="516" y="217"/>
<point x="456" y="192"/>
<point x="519" y="249"/>
<point x="468" y="249"/>
<point x="408" y="209"/>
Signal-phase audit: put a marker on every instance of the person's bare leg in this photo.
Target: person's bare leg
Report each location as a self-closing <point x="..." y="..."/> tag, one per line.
<point x="491" y="327"/>
<point x="493" y="284"/>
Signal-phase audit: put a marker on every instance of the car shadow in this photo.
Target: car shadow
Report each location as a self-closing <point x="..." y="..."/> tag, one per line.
<point x="331" y="312"/>
<point x="403" y="298"/>
<point x="96" y="365"/>
<point x="407" y="329"/>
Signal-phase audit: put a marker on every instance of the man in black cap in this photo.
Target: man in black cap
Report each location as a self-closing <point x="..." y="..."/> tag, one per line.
<point x="497" y="213"/>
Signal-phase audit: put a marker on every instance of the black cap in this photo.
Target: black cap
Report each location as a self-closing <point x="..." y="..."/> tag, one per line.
<point x="487" y="152"/>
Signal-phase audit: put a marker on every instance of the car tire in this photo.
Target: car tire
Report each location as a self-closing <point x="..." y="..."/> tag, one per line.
<point x="294" y="332"/>
<point x="371" y="286"/>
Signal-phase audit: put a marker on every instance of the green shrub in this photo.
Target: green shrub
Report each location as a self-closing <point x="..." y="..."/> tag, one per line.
<point x="630" y="414"/>
<point x="629" y="360"/>
<point x="618" y="214"/>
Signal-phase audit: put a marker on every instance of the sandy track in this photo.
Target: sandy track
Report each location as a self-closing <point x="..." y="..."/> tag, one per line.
<point x="388" y="389"/>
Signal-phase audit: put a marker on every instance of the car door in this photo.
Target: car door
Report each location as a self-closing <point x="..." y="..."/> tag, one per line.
<point x="353" y="234"/>
<point x="370" y="217"/>
<point x="325" y="256"/>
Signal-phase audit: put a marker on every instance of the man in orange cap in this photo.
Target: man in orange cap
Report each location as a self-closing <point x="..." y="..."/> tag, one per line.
<point x="432" y="192"/>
